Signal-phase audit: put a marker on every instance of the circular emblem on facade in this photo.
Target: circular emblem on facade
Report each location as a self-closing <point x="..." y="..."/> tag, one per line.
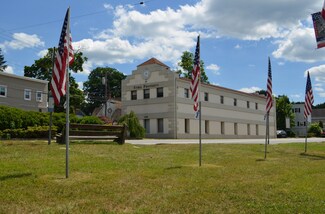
<point x="145" y="74"/>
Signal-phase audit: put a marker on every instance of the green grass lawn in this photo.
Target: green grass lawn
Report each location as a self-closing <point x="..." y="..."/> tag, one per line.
<point x="111" y="178"/>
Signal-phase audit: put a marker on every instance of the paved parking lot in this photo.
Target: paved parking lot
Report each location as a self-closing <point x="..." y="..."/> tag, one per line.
<point x="226" y="141"/>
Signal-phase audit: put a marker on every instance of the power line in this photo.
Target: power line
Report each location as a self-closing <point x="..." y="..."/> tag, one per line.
<point x="60" y="20"/>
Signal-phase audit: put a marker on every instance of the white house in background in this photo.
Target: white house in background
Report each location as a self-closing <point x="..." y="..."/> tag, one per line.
<point x="163" y="104"/>
<point x="300" y="122"/>
<point x="23" y="92"/>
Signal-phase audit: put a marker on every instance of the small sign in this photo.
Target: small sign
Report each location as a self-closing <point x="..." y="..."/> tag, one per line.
<point x="51" y="104"/>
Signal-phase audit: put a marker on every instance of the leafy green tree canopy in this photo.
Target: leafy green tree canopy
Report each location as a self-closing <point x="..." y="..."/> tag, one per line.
<point x="42" y="69"/>
<point x="283" y="110"/>
<point x="186" y="63"/>
<point x="94" y="87"/>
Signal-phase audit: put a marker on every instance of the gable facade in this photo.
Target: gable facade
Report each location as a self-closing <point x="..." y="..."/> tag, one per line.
<point x="163" y="104"/>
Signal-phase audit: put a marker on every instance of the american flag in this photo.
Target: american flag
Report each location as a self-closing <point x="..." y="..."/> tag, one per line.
<point x="269" y="100"/>
<point x="196" y="76"/>
<point x="319" y="28"/>
<point x="309" y="97"/>
<point x="64" y="55"/>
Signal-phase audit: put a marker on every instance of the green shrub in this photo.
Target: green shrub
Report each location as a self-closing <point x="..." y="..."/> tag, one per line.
<point x="10" y="118"/>
<point x="91" y="120"/>
<point x="314" y="130"/>
<point x="19" y="120"/>
<point x="30" y="132"/>
<point x="133" y="124"/>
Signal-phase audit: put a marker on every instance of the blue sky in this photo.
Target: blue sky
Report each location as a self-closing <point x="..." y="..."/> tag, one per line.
<point x="236" y="38"/>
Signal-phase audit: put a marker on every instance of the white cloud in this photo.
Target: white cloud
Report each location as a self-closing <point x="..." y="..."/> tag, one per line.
<point x="252" y="89"/>
<point x="299" y="46"/>
<point x="296" y="96"/>
<point x="214" y="68"/>
<point x="9" y="70"/>
<point x="80" y="85"/>
<point x="167" y="33"/>
<point x="317" y="75"/>
<point x="238" y="46"/>
<point x="42" y="53"/>
<point x="319" y="89"/>
<point x="254" y="24"/>
<point x="321" y="94"/>
<point x="23" y="40"/>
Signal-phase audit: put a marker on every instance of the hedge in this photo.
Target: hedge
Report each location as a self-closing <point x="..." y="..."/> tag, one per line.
<point x="17" y="123"/>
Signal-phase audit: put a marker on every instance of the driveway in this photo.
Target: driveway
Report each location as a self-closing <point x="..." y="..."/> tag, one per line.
<point x="226" y="141"/>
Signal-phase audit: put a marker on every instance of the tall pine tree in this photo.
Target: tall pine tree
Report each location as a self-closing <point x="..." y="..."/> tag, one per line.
<point x="3" y="66"/>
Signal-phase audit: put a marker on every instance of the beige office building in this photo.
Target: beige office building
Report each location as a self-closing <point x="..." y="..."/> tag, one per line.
<point x="23" y="92"/>
<point x="163" y="104"/>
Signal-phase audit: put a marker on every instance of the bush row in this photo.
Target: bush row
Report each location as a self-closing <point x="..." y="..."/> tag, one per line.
<point x="17" y="123"/>
<point x="18" y="120"/>
<point x="30" y="132"/>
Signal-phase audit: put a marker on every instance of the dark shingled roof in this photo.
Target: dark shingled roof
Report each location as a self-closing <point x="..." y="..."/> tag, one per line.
<point x="318" y="112"/>
<point x="153" y="61"/>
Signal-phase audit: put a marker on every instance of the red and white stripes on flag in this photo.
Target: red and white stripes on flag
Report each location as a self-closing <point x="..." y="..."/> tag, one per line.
<point x="309" y="97"/>
<point x="64" y="55"/>
<point x="196" y="73"/>
<point x="269" y="99"/>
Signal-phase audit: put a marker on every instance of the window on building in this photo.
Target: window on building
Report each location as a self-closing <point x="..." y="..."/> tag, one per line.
<point x="3" y="91"/>
<point x="235" y="128"/>
<point x="160" y="124"/>
<point x="27" y="94"/>
<point x="38" y="96"/>
<point x="146" y="93"/>
<point x="206" y="96"/>
<point x="207" y="128"/>
<point x="222" y="127"/>
<point x="160" y="92"/>
<point x="297" y="110"/>
<point x="133" y="95"/>
<point x="256" y="106"/>
<point x="146" y="124"/>
<point x="187" y="126"/>
<point x="248" y="129"/>
<point x="186" y="93"/>
<point x="235" y="102"/>
<point x="256" y="129"/>
<point x="247" y="104"/>
<point x="221" y="99"/>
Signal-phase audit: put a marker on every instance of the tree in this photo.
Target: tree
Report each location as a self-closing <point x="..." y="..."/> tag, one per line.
<point x="314" y="130"/>
<point x="134" y="127"/>
<point x="261" y="92"/>
<point x="187" y="62"/>
<point x="95" y="89"/>
<point x="283" y="111"/>
<point x="319" y="106"/>
<point x="42" y="69"/>
<point x="2" y="62"/>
